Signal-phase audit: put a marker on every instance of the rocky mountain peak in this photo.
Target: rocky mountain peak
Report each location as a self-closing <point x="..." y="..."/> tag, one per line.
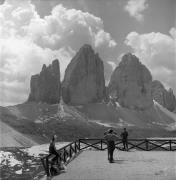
<point x="130" y="83"/>
<point x="130" y="60"/>
<point x="84" y="78"/>
<point x="46" y="86"/>
<point x="86" y="47"/>
<point x="156" y="84"/>
<point x="164" y="97"/>
<point x="44" y="67"/>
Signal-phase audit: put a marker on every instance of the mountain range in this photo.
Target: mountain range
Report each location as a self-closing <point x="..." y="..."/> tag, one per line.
<point x="83" y="106"/>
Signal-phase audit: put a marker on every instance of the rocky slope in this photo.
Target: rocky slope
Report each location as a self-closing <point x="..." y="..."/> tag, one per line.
<point x="46" y="86"/>
<point x="131" y="83"/>
<point x="12" y="138"/>
<point x="84" y="78"/>
<point x="162" y="96"/>
<point x="39" y="121"/>
<point x="154" y="119"/>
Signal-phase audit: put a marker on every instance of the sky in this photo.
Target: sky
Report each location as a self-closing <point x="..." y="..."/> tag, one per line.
<point x="35" y="32"/>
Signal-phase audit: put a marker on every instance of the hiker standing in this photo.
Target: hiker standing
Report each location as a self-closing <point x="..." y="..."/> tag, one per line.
<point x="124" y="136"/>
<point x="110" y="137"/>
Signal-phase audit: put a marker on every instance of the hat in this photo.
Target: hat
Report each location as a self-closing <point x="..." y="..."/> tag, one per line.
<point x="110" y="131"/>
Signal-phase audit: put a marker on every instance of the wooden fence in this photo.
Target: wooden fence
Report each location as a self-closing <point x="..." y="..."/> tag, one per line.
<point x="68" y="152"/>
<point x="148" y="144"/>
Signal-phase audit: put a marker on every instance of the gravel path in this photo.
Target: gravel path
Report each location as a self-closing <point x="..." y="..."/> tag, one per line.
<point x="136" y="165"/>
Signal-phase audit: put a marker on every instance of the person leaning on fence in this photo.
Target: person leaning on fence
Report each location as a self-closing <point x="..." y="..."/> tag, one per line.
<point x="53" y="156"/>
<point x="124" y="136"/>
<point x="52" y="149"/>
<point x="110" y="137"/>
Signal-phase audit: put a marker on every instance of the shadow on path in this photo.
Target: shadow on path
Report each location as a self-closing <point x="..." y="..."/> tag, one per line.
<point x="119" y="161"/>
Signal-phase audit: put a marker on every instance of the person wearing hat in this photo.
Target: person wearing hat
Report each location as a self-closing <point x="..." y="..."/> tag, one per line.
<point x="110" y="137"/>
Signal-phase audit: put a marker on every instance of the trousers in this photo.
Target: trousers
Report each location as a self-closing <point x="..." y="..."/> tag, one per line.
<point x="110" y="154"/>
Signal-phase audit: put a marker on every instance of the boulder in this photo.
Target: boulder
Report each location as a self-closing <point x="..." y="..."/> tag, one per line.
<point x="46" y="86"/>
<point x="130" y="84"/>
<point x="84" y="78"/>
<point x="162" y="96"/>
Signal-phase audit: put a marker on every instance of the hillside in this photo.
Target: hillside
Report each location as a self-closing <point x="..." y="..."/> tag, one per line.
<point x="30" y="123"/>
<point x="40" y="121"/>
<point x="114" y="113"/>
<point x="156" y="121"/>
<point x="12" y="138"/>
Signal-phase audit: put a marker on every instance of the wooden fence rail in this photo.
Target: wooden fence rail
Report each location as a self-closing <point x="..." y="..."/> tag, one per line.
<point x="148" y="144"/>
<point x="66" y="153"/>
<point x="71" y="150"/>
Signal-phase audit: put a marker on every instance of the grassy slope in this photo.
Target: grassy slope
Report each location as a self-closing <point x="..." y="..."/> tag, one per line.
<point x="74" y="121"/>
<point x="109" y="113"/>
<point x="149" y="123"/>
<point x="74" y="125"/>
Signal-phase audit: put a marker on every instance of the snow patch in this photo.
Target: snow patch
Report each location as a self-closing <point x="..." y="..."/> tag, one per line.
<point x="122" y="123"/>
<point x="117" y="104"/>
<point x="37" y="150"/>
<point x="18" y="172"/>
<point x="7" y="158"/>
<point x="38" y="121"/>
<point x="171" y="127"/>
<point x="101" y="123"/>
<point x="61" y="111"/>
<point x="158" y="123"/>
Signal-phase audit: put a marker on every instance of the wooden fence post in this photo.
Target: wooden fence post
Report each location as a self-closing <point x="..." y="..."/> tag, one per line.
<point x="170" y="145"/>
<point x="70" y="152"/>
<point x="146" y="144"/>
<point x="75" y="147"/>
<point x="101" y="144"/>
<point x="79" y="146"/>
<point x="64" y="156"/>
<point x="47" y="167"/>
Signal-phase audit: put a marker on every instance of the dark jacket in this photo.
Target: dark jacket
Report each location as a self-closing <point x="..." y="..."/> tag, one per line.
<point x="52" y="148"/>
<point x="124" y="135"/>
<point x="111" y="138"/>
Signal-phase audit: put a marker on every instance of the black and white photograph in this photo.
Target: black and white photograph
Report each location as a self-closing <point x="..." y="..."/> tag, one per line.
<point x="87" y="89"/>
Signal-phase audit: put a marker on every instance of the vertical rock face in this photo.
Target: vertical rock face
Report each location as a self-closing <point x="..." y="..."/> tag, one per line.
<point x="162" y="96"/>
<point x="46" y="86"/>
<point x="131" y="84"/>
<point x="84" y="78"/>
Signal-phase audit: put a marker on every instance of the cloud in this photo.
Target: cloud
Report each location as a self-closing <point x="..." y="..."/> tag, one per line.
<point x="135" y="8"/>
<point x="157" y="52"/>
<point x="28" y="41"/>
<point x="173" y="32"/>
<point x="69" y="26"/>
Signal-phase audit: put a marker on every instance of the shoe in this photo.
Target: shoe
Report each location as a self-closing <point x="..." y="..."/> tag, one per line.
<point x="111" y="161"/>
